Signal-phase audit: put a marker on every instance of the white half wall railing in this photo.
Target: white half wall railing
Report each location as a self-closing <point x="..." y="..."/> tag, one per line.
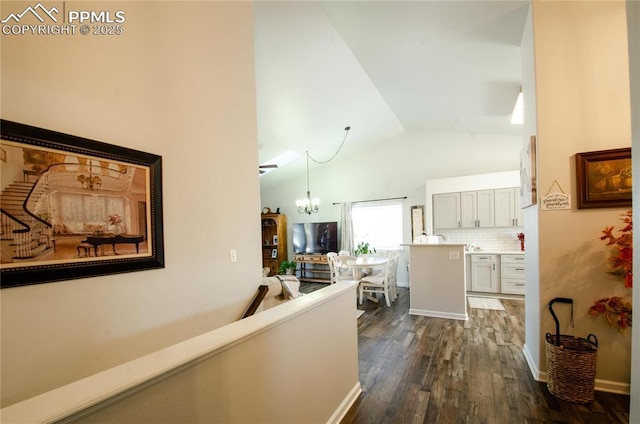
<point x="297" y="362"/>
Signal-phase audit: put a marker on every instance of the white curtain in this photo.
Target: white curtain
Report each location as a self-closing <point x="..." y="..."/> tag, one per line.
<point x="346" y="233"/>
<point x="81" y="214"/>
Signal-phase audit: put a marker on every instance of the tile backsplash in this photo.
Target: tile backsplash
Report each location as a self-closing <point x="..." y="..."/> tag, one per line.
<point x="486" y="239"/>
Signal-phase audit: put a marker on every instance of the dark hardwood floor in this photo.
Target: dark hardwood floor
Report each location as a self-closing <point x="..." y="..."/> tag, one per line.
<point x="430" y="370"/>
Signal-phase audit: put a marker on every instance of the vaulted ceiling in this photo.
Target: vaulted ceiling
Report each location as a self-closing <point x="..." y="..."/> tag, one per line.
<point x="382" y="67"/>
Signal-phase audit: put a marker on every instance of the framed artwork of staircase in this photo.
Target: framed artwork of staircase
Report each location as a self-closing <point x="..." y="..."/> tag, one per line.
<point x="72" y="207"/>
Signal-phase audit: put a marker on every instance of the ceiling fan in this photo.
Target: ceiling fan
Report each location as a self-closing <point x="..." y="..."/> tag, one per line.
<point x="263" y="167"/>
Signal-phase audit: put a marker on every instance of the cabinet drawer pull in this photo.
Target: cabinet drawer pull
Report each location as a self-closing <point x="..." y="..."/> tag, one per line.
<point x="519" y="269"/>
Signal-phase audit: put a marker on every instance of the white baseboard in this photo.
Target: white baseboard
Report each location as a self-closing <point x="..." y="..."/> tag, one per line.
<point x="600" y="385"/>
<point x="345" y="405"/>
<point x="438" y="314"/>
<point x="535" y="372"/>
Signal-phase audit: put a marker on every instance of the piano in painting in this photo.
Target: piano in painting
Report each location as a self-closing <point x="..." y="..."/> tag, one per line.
<point x="96" y="240"/>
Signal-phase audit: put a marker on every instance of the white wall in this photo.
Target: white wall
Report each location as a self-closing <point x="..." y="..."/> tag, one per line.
<point x="179" y="83"/>
<point x="583" y="104"/>
<point x="532" y="258"/>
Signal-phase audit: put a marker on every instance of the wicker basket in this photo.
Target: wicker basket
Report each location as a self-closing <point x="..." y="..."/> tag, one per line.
<point x="571" y="367"/>
<point x="571" y="362"/>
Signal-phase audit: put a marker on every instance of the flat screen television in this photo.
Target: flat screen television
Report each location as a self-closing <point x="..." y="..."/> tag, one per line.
<point x="315" y="237"/>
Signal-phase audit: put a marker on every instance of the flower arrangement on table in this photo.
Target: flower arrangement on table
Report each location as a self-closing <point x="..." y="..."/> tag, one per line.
<point x="114" y="219"/>
<point x="616" y="310"/>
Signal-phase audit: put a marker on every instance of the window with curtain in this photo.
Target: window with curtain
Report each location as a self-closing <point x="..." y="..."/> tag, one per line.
<point x="81" y="214"/>
<point x="379" y="223"/>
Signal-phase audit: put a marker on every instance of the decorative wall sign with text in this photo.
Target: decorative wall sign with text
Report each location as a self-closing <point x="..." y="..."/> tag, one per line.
<point x="555" y="200"/>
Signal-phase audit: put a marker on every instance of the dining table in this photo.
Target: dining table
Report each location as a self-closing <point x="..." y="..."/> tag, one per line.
<point x="362" y="264"/>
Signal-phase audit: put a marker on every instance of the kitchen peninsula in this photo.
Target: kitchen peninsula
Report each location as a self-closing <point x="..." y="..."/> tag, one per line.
<point x="438" y="280"/>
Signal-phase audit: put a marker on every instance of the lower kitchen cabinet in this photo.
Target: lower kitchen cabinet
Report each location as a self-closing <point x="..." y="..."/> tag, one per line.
<point x="512" y="275"/>
<point x="484" y="273"/>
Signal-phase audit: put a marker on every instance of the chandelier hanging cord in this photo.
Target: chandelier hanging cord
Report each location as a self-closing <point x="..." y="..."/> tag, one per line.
<point x="321" y="162"/>
<point x="309" y="205"/>
<point x="307" y="171"/>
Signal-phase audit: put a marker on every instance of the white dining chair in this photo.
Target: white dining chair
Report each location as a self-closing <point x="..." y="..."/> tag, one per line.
<point x="380" y="283"/>
<point x="338" y="268"/>
<point x="393" y="274"/>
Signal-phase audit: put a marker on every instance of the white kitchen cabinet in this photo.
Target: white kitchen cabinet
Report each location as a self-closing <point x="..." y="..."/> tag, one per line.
<point x="484" y="273"/>
<point x="512" y="274"/>
<point x="446" y="210"/>
<point x="507" y="208"/>
<point x="467" y="209"/>
<point x="476" y="209"/>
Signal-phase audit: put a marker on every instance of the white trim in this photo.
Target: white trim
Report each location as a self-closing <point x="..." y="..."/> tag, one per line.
<point x="535" y="372"/>
<point x="346" y="404"/>
<point x="438" y="314"/>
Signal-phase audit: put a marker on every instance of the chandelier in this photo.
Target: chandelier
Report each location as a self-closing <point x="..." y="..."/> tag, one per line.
<point x="90" y="182"/>
<point x="308" y="205"/>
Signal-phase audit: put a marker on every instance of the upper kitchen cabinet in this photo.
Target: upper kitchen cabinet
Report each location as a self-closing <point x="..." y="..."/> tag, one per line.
<point x="446" y="210"/>
<point x="507" y="208"/>
<point x="467" y="209"/>
<point x="477" y="209"/>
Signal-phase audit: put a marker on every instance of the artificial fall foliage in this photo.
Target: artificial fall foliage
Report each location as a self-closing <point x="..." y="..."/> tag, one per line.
<point x="616" y="310"/>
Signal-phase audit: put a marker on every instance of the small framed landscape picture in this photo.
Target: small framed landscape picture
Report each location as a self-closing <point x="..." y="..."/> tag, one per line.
<point x="274" y="253"/>
<point x="275" y="239"/>
<point x="604" y="178"/>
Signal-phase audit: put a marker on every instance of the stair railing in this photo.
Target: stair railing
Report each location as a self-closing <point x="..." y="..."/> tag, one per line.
<point x="17" y="232"/>
<point x="257" y="300"/>
<point x="40" y="230"/>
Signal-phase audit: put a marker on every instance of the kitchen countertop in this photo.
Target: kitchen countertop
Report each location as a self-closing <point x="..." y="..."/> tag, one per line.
<point x="495" y="252"/>
<point x="434" y="244"/>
